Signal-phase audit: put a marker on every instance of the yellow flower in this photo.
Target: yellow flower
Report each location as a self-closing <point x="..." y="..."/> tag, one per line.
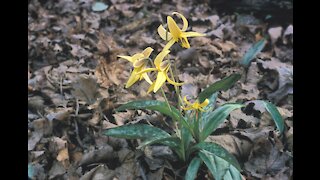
<point x="139" y="62"/>
<point x="176" y="34"/>
<point x="195" y="105"/>
<point x="162" y="67"/>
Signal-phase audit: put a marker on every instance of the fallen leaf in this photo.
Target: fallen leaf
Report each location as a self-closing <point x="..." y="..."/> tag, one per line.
<point x="99" y="6"/>
<point x="266" y="159"/>
<point x="36" y="171"/>
<point x="275" y="33"/>
<point x="285" y="78"/>
<point x="63" y="155"/>
<point x="85" y="88"/>
<point x="34" y="139"/>
<point x="101" y="172"/>
<point x="241" y="148"/>
<point x="288" y="32"/>
<point x="189" y="90"/>
<point x="78" y="51"/>
<point x="56" y="170"/>
<point x="61" y="114"/>
<point x="100" y="155"/>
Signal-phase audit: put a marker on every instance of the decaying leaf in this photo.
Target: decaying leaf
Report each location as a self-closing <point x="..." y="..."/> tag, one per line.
<point x="34" y="139"/>
<point x="275" y="33"/>
<point x="101" y="172"/>
<point x="266" y="159"/>
<point x="56" y="170"/>
<point x="85" y="89"/>
<point x="285" y="78"/>
<point x="241" y="148"/>
<point x="100" y="155"/>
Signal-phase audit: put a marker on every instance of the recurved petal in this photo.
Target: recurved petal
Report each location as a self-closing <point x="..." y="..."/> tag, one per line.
<point x="185" y="21"/>
<point x="192" y="34"/>
<point x="204" y="103"/>
<point x="132" y="79"/>
<point x="160" y="57"/>
<point x="168" y="45"/>
<point x="186" y="101"/>
<point x="137" y="56"/>
<point x="187" y="108"/>
<point x="173" y="28"/>
<point x="129" y="58"/>
<point x="163" y="33"/>
<point x="172" y="82"/>
<point x="146" y="52"/>
<point x="161" y="79"/>
<point x="146" y="77"/>
<point x="146" y="70"/>
<point x="151" y="87"/>
<point x="185" y="42"/>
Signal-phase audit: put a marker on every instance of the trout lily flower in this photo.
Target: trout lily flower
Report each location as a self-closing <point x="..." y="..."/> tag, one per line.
<point x="196" y="105"/>
<point x="162" y="67"/>
<point x="176" y="34"/>
<point x="139" y="62"/>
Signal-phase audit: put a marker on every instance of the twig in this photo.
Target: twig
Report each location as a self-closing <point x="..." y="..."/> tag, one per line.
<point x="76" y="125"/>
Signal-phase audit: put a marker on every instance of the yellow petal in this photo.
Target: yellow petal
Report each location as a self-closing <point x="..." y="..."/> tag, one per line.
<point x="137" y="56"/>
<point x="185" y="22"/>
<point x="185" y="42"/>
<point x="192" y="34"/>
<point x="204" y="103"/>
<point x="129" y="58"/>
<point x="146" y="70"/>
<point x="172" y="82"/>
<point x="186" y="101"/>
<point x="163" y="33"/>
<point x="147" y="52"/>
<point x="160" y="57"/>
<point x="132" y="79"/>
<point x="168" y="45"/>
<point x="173" y="28"/>
<point x="151" y="87"/>
<point x="161" y="78"/>
<point x="146" y="77"/>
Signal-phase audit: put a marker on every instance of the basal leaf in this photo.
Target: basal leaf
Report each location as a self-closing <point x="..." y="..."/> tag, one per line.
<point x="223" y="84"/>
<point x="172" y="142"/>
<point x="155" y="105"/>
<point x="137" y="131"/>
<point x="220" y="168"/>
<point x="193" y="169"/>
<point x="272" y="109"/>
<point x="252" y="52"/>
<point x="211" y="122"/>
<point x="219" y="151"/>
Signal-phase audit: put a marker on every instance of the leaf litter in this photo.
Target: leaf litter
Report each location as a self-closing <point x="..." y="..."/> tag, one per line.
<point x="75" y="81"/>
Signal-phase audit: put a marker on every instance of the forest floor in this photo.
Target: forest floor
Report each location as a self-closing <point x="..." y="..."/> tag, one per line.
<point x="75" y="81"/>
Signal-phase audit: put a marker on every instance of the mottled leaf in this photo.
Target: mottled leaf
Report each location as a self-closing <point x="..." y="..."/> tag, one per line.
<point x="223" y="84"/>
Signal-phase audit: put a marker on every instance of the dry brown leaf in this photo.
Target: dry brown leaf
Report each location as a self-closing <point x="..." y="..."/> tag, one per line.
<point x="56" y="170"/>
<point x="241" y="148"/>
<point x="266" y="159"/>
<point x="100" y="155"/>
<point x="110" y="73"/>
<point x="101" y="172"/>
<point x="61" y="114"/>
<point x="85" y="88"/>
<point x="34" y="139"/>
<point x="226" y="46"/>
<point x="63" y="155"/>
